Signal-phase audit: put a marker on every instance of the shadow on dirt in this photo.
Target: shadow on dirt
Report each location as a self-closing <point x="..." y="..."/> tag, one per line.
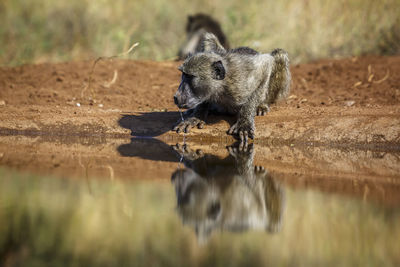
<point x="151" y="124"/>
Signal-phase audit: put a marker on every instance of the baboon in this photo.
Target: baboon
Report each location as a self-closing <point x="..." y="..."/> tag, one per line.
<point x="241" y="82"/>
<point x="228" y="194"/>
<point x="197" y="25"/>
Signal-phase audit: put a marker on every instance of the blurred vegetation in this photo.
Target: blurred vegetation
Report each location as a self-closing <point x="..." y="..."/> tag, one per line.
<point x="46" y="30"/>
<point x="47" y="221"/>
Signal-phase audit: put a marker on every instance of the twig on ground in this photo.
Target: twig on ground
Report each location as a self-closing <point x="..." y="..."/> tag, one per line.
<point x="88" y="86"/>
<point x="384" y="78"/>
<point x="114" y="79"/>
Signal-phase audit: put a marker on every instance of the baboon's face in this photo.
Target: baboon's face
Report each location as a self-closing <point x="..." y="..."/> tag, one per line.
<point x="202" y="76"/>
<point x="192" y="26"/>
<point x="195" y="23"/>
<point x="185" y="97"/>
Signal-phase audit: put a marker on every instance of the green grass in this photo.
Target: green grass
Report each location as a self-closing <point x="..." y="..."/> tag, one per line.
<point x="46" y="30"/>
<point x="47" y="221"/>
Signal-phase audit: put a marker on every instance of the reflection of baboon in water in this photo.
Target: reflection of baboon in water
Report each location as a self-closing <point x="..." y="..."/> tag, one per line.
<point x="228" y="194"/>
<point x="197" y="25"/>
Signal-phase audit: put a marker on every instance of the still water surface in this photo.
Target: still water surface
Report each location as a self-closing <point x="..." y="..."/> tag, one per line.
<point x="201" y="209"/>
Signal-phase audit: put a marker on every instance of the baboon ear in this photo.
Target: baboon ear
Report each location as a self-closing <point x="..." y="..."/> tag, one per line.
<point x="218" y="70"/>
<point x="210" y="43"/>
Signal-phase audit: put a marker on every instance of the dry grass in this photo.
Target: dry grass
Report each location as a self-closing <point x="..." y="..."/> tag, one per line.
<point x="45" y="30"/>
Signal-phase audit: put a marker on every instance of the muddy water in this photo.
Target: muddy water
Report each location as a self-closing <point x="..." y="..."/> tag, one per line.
<point x="82" y="201"/>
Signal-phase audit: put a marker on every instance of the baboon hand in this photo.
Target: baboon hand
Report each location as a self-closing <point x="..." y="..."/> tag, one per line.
<point x="243" y="131"/>
<point x="189" y="123"/>
<point x="187" y="153"/>
<point x="238" y="151"/>
<point x="259" y="169"/>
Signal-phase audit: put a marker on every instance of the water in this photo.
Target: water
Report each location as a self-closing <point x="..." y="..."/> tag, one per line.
<point x="145" y="202"/>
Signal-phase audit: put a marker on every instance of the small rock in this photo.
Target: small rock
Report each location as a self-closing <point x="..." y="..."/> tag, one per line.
<point x="349" y="103"/>
<point x="2" y="103"/>
<point x="78" y="104"/>
<point x="101" y="105"/>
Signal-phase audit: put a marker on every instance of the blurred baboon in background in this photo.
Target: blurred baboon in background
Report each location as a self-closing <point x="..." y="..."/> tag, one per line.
<point x="197" y="25"/>
<point x="228" y="194"/>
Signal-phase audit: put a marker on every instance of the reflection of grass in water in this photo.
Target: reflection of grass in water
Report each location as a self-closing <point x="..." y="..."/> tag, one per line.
<point x="57" y="222"/>
<point x="43" y="30"/>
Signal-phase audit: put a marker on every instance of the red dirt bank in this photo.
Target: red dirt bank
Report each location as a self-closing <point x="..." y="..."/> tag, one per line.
<point x="350" y="101"/>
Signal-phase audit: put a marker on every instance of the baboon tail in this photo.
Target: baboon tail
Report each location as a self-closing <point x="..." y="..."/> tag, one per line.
<point x="281" y="77"/>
